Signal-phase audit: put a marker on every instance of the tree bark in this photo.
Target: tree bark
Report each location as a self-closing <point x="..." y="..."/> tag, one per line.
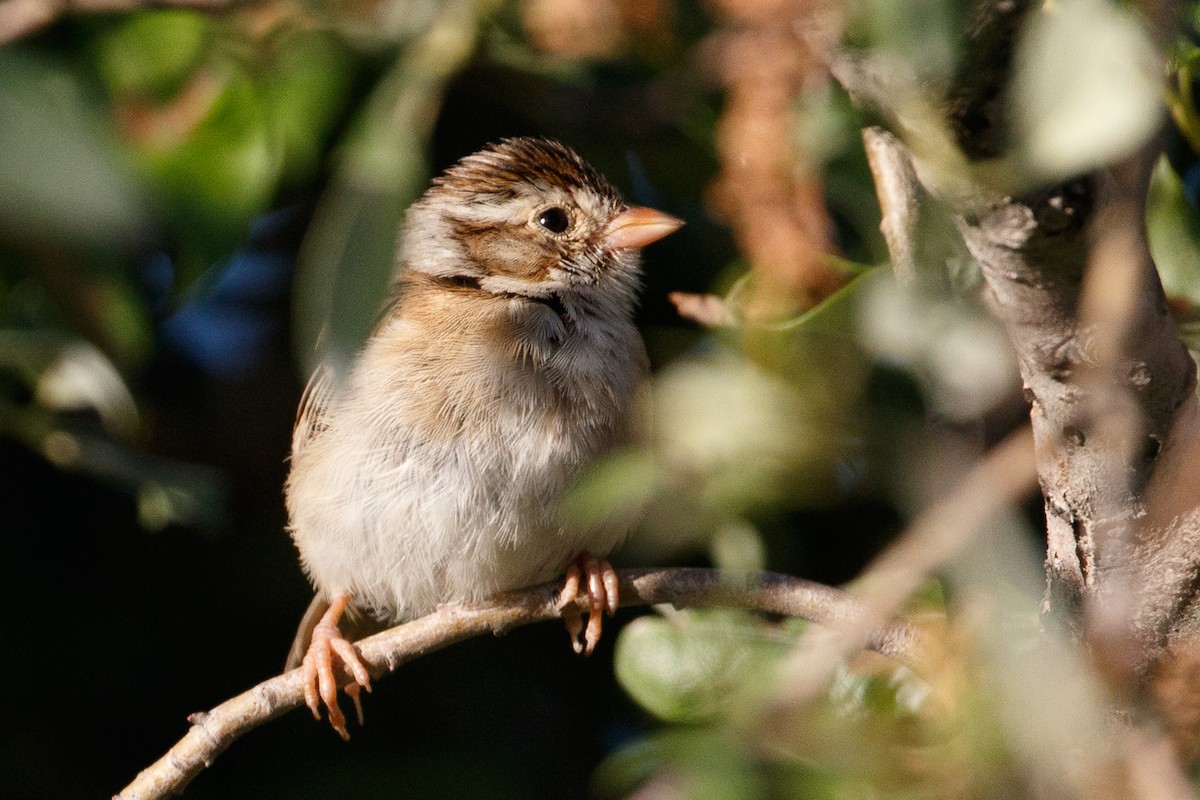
<point x="1112" y="389"/>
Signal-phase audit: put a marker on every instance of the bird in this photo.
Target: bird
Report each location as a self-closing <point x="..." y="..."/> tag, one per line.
<point x="504" y="363"/>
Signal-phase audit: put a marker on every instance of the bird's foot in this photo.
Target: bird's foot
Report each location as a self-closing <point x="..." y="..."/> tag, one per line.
<point x="595" y="577"/>
<point x="320" y="677"/>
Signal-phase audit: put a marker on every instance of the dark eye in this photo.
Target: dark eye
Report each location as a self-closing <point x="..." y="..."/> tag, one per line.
<point x="554" y="219"/>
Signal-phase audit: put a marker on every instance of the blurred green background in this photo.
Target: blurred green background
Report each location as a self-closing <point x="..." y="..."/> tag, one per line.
<point x="195" y="204"/>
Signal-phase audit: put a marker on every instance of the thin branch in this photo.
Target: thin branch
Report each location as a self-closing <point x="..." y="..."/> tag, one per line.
<point x="213" y="731"/>
<point x="900" y="194"/>
<point x="997" y="483"/>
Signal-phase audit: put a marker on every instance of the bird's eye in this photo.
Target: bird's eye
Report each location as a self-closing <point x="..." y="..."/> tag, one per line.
<point x="554" y="219"/>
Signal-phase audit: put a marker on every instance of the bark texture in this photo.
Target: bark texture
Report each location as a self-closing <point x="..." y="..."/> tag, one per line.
<point x="1112" y="390"/>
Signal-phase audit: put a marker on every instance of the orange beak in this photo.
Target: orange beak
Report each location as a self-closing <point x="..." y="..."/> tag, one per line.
<point x="639" y="226"/>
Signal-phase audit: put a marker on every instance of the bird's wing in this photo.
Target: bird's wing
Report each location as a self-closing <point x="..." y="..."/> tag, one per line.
<point x="310" y="416"/>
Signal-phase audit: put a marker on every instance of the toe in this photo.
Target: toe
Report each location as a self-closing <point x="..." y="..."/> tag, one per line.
<point x="592" y="636"/>
<point x="612" y="588"/>
<point x="354" y="691"/>
<point x="573" y="619"/>
<point x="352" y="662"/>
<point x="312" y="698"/>
<point x="570" y="588"/>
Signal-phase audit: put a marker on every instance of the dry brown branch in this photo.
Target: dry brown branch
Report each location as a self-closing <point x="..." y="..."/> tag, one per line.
<point x="1001" y="480"/>
<point x="213" y="731"/>
<point x="1116" y="420"/>
<point x="899" y="194"/>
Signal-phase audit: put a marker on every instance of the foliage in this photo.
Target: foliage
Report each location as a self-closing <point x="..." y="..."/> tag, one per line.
<point x="180" y="190"/>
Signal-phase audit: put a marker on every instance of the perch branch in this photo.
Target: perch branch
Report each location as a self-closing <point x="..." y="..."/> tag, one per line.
<point x="213" y="731"/>
<point x="998" y="482"/>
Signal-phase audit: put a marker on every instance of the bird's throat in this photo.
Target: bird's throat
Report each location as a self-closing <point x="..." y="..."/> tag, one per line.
<point x="471" y="283"/>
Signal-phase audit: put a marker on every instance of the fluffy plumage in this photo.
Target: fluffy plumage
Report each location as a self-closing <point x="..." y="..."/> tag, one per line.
<point x="433" y="474"/>
<point x="506" y="362"/>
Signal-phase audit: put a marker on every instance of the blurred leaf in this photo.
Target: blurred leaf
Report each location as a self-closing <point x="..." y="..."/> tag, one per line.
<point x="920" y="33"/>
<point x="1086" y="88"/>
<point x="349" y="253"/>
<point x="1173" y="227"/>
<point x="957" y="352"/>
<point x="219" y="173"/>
<point x="696" y="763"/>
<point x="81" y="378"/>
<point x="53" y="142"/>
<point x="735" y="432"/>
<point x="737" y="547"/>
<point x="306" y="87"/>
<point x="619" y="485"/>
<point x="694" y="665"/>
<point x="216" y="111"/>
<point x="153" y="53"/>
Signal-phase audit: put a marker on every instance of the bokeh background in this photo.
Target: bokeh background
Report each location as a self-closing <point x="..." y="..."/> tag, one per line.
<point x="198" y="202"/>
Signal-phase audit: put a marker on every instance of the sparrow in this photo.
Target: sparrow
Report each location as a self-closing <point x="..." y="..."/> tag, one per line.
<point x="505" y="362"/>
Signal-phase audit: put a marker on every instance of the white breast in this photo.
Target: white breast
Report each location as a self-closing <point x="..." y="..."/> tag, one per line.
<point x="436" y="477"/>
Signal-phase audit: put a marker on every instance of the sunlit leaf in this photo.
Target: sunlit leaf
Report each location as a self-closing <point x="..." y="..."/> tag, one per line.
<point x="1086" y="88"/>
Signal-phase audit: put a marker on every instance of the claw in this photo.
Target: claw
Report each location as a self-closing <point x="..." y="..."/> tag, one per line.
<point x="354" y="692"/>
<point x="320" y="679"/>
<point x="602" y="594"/>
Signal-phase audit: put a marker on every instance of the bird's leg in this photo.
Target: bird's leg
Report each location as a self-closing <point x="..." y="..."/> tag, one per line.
<point x="320" y="680"/>
<point x="598" y="580"/>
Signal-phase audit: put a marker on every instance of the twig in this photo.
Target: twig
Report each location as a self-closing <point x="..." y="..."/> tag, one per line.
<point x="213" y="731"/>
<point x="998" y="482"/>
<point x="899" y="192"/>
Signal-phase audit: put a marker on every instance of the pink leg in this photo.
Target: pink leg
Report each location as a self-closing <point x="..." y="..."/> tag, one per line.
<point x="597" y="577"/>
<point x="320" y="680"/>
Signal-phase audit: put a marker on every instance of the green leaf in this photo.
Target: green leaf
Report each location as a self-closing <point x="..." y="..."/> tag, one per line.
<point x="153" y="53"/>
<point x="1173" y="227"/>
<point x="220" y="174"/>
<point x="305" y="91"/>
<point x="921" y="34"/>
<point x="53" y="144"/>
<point x="615" y="488"/>
<point x="691" y="667"/>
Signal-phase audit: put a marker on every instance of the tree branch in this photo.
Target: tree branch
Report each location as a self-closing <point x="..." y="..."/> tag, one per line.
<point x="1068" y="271"/>
<point x="213" y="731"/>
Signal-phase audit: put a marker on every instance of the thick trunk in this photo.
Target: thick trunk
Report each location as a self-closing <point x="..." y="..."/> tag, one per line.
<point x="1111" y="387"/>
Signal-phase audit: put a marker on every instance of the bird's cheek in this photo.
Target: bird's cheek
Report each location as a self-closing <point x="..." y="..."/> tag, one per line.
<point x="501" y="253"/>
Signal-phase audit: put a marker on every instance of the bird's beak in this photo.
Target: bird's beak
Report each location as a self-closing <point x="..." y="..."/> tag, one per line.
<point x="639" y="226"/>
